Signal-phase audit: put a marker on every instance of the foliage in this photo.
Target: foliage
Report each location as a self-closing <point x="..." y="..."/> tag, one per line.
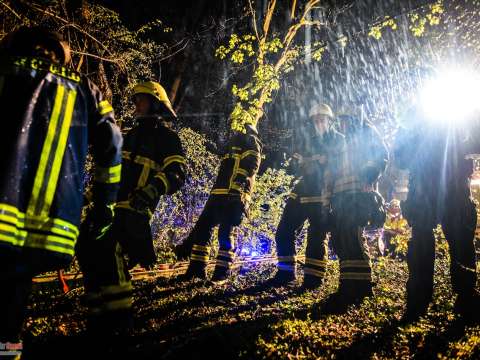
<point x="112" y="55"/>
<point x="176" y="215"/>
<point x="430" y="15"/>
<point x="272" y="54"/>
<point x="243" y="319"/>
<point x="257" y="232"/>
<point x="376" y="30"/>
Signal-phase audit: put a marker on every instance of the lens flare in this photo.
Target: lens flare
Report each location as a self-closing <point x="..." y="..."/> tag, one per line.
<point x="452" y="96"/>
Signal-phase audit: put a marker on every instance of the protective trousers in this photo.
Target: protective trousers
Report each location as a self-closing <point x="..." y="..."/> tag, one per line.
<point x="225" y="211"/>
<point x="349" y="244"/>
<point x="296" y="211"/>
<point x="458" y="223"/>
<point x="108" y="289"/>
<point x="16" y="273"/>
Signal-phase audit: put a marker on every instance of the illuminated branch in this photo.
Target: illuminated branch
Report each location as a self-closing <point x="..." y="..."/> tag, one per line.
<point x="70" y="24"/>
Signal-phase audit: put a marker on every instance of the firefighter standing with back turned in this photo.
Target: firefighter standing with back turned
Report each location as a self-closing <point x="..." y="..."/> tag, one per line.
<point x="226" y="205"/>
<point x="53" y="114"/>
<point x="310" y="199"/>
<point x="153" y="165"/>
<point x="355" y="204"/>
<point x="439" y="193"/>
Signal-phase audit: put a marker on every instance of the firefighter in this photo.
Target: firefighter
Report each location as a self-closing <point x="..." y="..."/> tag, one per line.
<point x="153" y="165"/>
<point x="309" y="200"/>
<point x="53" y="114"/>
<point x="396" y="226"/>
<point x="355" y="204"/>
<point x="226" y="205"/>
<point x="439" y="193"/>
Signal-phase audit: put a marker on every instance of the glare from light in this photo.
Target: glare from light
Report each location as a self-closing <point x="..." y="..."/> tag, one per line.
<point x="475" y="182"/>
<point x="452" y="96"/>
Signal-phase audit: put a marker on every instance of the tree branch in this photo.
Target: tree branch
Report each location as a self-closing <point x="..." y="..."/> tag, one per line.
<point x="292" y="13"/>
<point x="254" y="19"/>
<point x="69" y="24"/>
<point x="12" y="11"/>
<point x="174" y="53"/>
<point x="115" y="61"/>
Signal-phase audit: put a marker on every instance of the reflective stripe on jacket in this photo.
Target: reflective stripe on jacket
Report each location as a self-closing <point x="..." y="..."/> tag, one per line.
<point x="53" y="114"/>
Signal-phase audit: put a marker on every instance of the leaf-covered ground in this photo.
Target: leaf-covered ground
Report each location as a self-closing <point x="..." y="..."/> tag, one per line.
<point x="243" y="319"/>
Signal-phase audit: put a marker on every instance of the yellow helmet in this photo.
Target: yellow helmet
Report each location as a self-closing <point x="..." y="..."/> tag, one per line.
<point x="157" y="91"/>
<point x="321" y="109"/>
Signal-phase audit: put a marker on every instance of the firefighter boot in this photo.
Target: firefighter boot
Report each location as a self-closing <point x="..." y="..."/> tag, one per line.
<point x="221" y="274"/>
<point x="314" y="272"/>
<point x="286" y="273"/>
<point x="195" y="270"/>
<point x="347" y="295"/>
<point x="466" y="305"/>
<point x="417" y="305"/>
<point x="107" y="332"/>
<point x="414" y="312"/>
<point x="224" y="263"/>
<point x="182" y="251"/>
<point x="311" y="282"/>
<point x="282" y="278"/>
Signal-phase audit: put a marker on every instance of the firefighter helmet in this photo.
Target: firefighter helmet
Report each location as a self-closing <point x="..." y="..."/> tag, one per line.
<point x="33" y="41"/>
<point x="321" y="109"/>
<point x="394" y="203"/>
<point x="157" y="91"/>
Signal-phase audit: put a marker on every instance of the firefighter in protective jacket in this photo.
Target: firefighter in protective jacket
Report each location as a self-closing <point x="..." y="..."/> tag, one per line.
<point x="355" y="204"/>
<point x="153" y="165"/>
<point x="53" y="114"/>
<point x="439" y="193"/>
<point x="226" y="205"/>
<point x="310" y="199"/>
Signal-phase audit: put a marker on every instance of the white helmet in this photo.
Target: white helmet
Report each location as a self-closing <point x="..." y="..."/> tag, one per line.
<point x="320" y="109"/>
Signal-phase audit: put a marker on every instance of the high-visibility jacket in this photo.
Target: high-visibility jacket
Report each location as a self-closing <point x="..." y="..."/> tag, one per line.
<point x="152" y="155"/>
<point x="436" y="155"/>
<point x="309" y="163"/>
<point x="50" y="115"/>
<point x="239" y="166"/>
<point x="361" y="160"/>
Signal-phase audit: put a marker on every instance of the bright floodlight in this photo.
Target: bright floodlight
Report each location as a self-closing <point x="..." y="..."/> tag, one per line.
<point x="453" y="95"/>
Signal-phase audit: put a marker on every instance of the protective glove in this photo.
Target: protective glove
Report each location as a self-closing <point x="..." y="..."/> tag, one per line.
<point x="144" y="198"/>
<point x="98" y="221"/>
<point x="376" y="209"/>
<point x="93" y="231"/>
<point x="295" y="164"/>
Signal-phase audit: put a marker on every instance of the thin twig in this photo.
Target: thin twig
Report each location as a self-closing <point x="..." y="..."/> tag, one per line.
<point x="174" y="53"/>
<point x="294" y="5"/>
<point x="12" y="11"/>
<point x="69" y="24"/>
<point x="233" y="73"/>
<point x="252" y="10"/>
<point x="115" y="61"/>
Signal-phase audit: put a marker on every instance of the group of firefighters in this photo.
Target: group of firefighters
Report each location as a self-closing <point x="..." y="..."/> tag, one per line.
<point x="53" y="115"/>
